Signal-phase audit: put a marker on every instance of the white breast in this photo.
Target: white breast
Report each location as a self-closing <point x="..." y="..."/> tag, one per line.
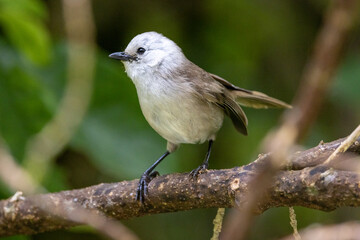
<point x="175" y="112"/>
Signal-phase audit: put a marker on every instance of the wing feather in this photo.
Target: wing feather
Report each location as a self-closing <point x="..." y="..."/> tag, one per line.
<point x="216" y="92"/>
<point x="250" y="98"/>
<point x="236" y="114"/>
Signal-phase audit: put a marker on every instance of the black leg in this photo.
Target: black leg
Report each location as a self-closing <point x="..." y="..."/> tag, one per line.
<point x="194" y="173"/>
<point x="146" y="177"/>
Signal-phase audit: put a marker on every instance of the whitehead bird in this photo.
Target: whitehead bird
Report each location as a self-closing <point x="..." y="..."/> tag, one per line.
<point x="181" y="101"/>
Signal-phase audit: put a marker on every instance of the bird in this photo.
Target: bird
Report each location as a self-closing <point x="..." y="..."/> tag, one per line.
<point x="182" y="102"/>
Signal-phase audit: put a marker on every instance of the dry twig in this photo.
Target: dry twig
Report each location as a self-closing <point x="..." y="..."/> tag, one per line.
<point x="218" y="220"/>
<point x="14" y="176"/>
<point x="344" y="145"/>
<point x="293" y="223"/>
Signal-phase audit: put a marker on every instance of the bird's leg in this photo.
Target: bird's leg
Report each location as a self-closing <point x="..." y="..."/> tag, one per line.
<point x="194" y="173"/>
<point x="146" y="177"/>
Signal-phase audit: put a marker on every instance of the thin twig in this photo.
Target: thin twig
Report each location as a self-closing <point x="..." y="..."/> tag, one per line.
<point x="344" y="145"/>
<point x="71" y="211"/>
<point x="15" y="177"/>
<point x="293" y="223"/>
<point x="218" y="220"/>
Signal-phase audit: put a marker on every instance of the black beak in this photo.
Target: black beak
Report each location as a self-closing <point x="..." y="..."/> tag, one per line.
<point x="123" y="56"/>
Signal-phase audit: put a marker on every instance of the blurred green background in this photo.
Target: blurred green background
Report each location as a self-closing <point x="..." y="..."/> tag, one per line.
<point x="259" y="45"/>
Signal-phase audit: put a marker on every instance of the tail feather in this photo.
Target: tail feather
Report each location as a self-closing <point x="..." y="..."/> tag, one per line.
<point x="256" y="99"/>
<point x="249" y="98"/>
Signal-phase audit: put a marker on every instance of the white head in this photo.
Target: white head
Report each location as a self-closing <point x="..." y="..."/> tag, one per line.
<point x="150" y="53"/>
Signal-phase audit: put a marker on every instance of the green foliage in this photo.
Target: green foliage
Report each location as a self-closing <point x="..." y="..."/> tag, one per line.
<point x="24" y="102"/>
<point x="22" y="21"/>
<point x="347" y="84"/>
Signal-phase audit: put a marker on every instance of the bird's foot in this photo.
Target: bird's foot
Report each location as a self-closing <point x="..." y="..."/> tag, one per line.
<point x="195" y="173"/>
<point x="144" y="181"/>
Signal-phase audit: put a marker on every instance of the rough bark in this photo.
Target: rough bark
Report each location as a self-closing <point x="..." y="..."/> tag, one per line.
<point x="304" y="182"/>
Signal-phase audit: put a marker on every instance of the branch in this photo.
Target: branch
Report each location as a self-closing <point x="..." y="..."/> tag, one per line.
<point x="318" y="187"/>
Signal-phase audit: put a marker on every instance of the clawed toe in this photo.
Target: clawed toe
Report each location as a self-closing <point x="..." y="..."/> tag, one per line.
<point x="144" y="181"/>
<point x="153" y="175"/>
<point x="195" y="173"/>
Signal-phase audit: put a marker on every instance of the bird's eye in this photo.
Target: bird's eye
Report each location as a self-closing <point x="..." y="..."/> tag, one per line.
<point x="141" y="50"/>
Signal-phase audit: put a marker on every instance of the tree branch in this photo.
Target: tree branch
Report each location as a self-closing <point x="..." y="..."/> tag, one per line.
<point x="304" y="183"/>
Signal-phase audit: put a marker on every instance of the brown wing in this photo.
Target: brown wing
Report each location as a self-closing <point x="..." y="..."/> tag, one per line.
<point x="236" y="114"/>
<point x="213" y="91"/>
<point x="230" y="107"/>
<point x="249" y="98"/>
